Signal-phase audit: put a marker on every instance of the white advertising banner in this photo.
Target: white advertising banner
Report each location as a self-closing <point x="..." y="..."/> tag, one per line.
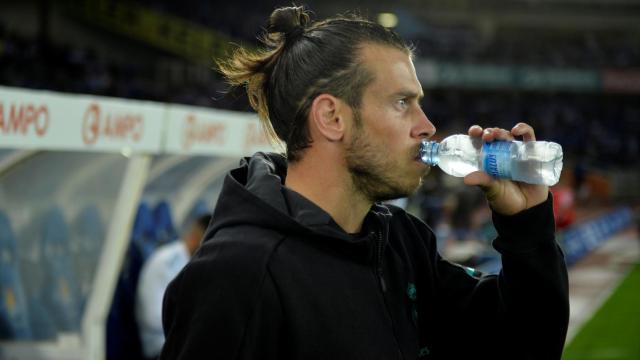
<point x="46" y="120"/>
<point x="193" y="130"/>
<point x="256" y="140"/>
<point x="51" y="121"/>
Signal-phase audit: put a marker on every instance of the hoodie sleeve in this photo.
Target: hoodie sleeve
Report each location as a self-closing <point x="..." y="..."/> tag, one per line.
<point x="522" y="312"/>
<point x="220" y="317"/>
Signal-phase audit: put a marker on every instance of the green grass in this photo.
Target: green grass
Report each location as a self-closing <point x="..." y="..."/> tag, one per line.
<point x="614" y="331"/>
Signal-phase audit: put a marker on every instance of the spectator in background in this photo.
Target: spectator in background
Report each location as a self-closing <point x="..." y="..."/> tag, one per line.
<point x="163" y="265"/>
<point x="564" y="202"/>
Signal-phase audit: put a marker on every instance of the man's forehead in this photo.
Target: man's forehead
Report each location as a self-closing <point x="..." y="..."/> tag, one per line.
<point x="392" y="68"/>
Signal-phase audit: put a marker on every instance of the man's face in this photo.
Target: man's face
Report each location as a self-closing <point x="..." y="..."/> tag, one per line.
<point x="194" y="238"/>
<point x="382" y="150"/>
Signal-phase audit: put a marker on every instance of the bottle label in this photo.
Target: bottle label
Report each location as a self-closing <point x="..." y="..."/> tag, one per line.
<point x="496" y="158"/>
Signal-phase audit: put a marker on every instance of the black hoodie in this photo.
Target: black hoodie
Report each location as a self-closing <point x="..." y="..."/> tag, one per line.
<point x="277" y="278"/>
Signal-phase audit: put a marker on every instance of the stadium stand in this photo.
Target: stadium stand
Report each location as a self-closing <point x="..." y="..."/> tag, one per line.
<point x="568" y="117"/>
<point x="14" y="312"/>
<point x="86" y="243"/>
<point x="59" y="293"/>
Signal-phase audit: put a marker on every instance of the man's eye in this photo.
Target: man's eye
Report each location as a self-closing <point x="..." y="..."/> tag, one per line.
<point x="402" y="103"/>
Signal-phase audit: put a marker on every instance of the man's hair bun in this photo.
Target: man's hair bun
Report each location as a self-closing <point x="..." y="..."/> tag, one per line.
<point x="288" y="21"/>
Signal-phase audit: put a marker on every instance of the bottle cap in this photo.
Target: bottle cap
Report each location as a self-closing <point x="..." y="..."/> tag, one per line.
<point x="429" y="152"/>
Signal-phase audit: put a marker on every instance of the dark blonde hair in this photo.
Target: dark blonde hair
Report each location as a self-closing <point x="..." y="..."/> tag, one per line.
<point x="300" y="61"/>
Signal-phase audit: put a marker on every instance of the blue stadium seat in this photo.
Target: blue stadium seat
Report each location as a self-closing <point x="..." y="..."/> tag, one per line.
<point x="14" y="315"/>
<point x="32" y="272"/>
<point x="86" y="244"/>
<point x="43" y="326"/>
<point x="143" y="232"/>
<point x="59" y="291"/>
<point x="165" y="232"/>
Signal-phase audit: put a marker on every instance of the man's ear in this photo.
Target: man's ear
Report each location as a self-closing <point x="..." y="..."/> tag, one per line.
<point x="327" y="117"/>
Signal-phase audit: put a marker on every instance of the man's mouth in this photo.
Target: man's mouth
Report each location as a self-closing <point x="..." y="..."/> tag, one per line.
<point x="417" y="155"/>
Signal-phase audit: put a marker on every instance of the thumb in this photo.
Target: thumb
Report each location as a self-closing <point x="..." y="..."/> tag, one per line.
<point x="490" y="186"/>
<point x="479" y="178"/>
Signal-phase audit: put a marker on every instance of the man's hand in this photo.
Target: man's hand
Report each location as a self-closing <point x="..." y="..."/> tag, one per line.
<point x="505" y="196"/>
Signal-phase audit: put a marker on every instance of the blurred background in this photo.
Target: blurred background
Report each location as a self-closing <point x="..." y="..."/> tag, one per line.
<point x="79" y="221"/>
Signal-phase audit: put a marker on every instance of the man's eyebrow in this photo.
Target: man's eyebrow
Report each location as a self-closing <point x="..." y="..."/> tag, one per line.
<point x="408" y="94"/>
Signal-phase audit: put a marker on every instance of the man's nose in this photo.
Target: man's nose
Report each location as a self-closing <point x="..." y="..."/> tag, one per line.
<point x="424" y="128"/>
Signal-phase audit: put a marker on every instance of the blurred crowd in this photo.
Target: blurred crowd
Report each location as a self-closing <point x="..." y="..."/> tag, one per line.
<point x="585" y="50"/>
<point x="588" y="49"/>
<point x="240" y="22"/>
<point x="37" y="64"/>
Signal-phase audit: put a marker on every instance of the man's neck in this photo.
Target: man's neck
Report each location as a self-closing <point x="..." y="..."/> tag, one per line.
<point x="329" y="187"/>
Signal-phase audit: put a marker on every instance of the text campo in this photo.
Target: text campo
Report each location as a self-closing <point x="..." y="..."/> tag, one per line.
<point x="23" y="119"/>
<point x="97" y="124"/>
<point x="199" y="132"/>
<point x="255" y="138"/>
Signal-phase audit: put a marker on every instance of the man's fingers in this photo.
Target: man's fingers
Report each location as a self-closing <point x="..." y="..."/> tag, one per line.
<point x="524" y="130"/>
<point x="491" y="134"/>
<point x="475" y="131"/>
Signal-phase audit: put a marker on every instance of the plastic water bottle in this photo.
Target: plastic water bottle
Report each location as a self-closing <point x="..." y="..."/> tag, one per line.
<point x="533" y="162"/>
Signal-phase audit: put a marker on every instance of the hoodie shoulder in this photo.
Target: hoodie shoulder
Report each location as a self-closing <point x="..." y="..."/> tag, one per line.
<point x="240" y="248"/>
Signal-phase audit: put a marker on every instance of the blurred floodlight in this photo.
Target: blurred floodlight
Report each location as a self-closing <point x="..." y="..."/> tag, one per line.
<point x="387" y="20"/>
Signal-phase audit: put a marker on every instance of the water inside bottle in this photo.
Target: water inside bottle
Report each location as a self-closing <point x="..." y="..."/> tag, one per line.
<point x="538" y="163"/>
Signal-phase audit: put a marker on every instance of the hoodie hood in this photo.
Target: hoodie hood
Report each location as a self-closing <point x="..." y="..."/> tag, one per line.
<point x="254" y="194"/>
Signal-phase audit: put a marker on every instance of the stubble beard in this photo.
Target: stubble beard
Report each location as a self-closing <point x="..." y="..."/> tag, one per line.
<point x="372" y="173"/>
